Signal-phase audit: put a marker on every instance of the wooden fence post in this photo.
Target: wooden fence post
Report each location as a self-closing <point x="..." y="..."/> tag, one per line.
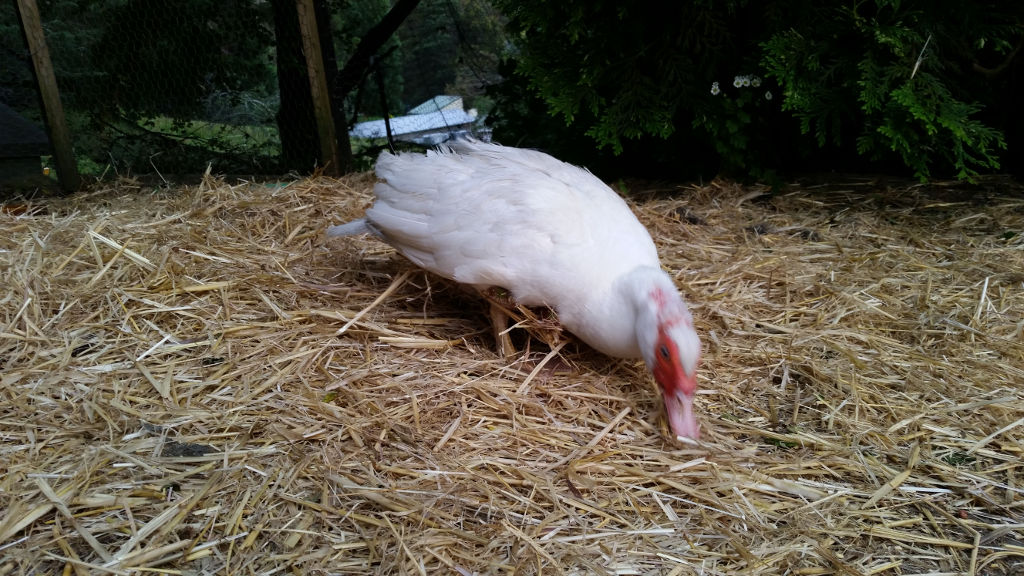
<point x="53" y="112"/>
<point x="318" y="87"/>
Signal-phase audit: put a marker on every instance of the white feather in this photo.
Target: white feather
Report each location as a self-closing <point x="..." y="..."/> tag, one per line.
<point x="353" y="228"/>
<point x="549" y="232"/>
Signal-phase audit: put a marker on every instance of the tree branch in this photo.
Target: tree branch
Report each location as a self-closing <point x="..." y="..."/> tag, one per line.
<point x="993" y="72"/>
<point x="359" y="63"/>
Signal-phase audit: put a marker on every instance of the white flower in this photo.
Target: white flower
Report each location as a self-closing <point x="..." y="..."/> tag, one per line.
<point x="746" y="81"/>
<point x="715" y="90"/>
<point x="768" y="95"/>
<point x="755" y="81"/>
<point x="737" y="82"/>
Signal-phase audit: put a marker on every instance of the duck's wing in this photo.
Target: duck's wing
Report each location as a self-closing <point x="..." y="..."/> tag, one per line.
<point x="489" y="215"/>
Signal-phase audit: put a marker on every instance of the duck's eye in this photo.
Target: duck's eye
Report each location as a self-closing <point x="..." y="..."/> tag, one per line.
<point x="663" y="350"/>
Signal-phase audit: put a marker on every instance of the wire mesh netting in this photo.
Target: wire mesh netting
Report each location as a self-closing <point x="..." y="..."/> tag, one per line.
<point x="177" y="87"/>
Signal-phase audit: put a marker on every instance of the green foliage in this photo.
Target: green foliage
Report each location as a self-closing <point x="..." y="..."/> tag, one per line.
<point x="139" y="78"/>
<point x="742" y="116"/>
<point x="482" y="43"/>
<point x="350" y="20"/>
<point x="521" y="119"/>
<point x="628" y="68"/>
<point x="166" y="57"/>
<point x="897" y="75"/>
<point x="790" y="58"/>
<point x="430" y="52"/>
<point x="925" y="116"/>
<point x="71" y="29"/>
<point x="884" y="80"/>
<point x="443" y="47"/>
<point x="181" y="84"/>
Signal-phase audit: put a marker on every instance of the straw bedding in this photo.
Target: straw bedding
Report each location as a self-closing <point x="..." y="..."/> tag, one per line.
<point x="176" y="397"/>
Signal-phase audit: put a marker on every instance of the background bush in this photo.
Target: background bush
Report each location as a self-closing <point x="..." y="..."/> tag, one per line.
<point x="930" y="88"/>
<point x="685" y="89"/>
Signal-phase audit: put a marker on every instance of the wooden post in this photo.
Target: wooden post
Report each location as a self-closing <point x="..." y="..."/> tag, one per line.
<point x="53" y="112"/>
<point x="318" y="86"/>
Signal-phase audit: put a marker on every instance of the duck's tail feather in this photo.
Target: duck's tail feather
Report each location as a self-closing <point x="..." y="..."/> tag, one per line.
<point x="353" y="228"/>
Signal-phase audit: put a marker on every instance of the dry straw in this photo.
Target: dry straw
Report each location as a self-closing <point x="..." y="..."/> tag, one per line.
<point x="196" y="381"/>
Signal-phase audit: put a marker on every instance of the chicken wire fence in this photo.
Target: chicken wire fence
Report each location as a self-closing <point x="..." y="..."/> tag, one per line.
<point x="177" y="87"/>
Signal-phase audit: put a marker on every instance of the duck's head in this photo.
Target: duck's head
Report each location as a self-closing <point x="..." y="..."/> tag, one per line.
<point x="671" y="349"/>
<point x="674" y="365"/>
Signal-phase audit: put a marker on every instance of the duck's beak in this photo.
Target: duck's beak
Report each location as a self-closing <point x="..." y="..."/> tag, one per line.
<point x="679" y="408"/>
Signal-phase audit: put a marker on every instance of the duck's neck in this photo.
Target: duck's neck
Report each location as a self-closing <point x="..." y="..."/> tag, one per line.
<point x="651" y="291"/>
<point x="656" y="302"/>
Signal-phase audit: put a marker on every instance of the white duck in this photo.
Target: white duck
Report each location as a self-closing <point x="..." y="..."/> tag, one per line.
<point x="550" y="233"/>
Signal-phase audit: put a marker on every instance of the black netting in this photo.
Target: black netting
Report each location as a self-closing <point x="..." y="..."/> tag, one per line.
<point x="173" y="87"/>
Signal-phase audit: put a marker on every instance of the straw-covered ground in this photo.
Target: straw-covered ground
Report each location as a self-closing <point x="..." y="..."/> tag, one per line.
<point x="196" y="381"/>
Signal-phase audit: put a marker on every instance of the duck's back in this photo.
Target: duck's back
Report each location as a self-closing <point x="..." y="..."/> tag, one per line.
<point x="488" y="215"/>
